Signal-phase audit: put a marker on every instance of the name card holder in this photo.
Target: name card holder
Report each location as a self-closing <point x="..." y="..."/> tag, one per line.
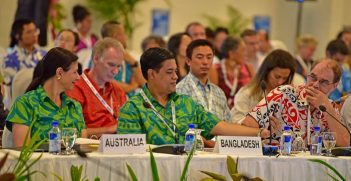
<point x="239" y="145"/>
<point x="123" y="143"/>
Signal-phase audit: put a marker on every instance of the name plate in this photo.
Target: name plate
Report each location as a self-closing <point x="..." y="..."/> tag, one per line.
<point x="239" y="145"/>
<point x="123" y="143"/>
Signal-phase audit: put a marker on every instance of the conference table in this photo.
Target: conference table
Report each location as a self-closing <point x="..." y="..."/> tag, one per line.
<point x="113" y="166"/>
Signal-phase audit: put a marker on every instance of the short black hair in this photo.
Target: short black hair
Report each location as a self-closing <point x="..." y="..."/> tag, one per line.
<point x="153" y="58"/>
<point x="174" y="41"/>
<point x="197" y="43"/>
<point x="17" y="29"/>
<point x="158" y="39"/>
<point x="230" y="43"/>
<point x="79" y="13"/>
<point x="337" y="46"/>
<point x="75" y="35"/>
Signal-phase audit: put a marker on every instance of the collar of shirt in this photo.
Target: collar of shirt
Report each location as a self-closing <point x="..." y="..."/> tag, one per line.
<point x="173" y="96"/>
<point x="108" y="85"/>
<point x="44" y="98"/>
<point x="198" y="82"/>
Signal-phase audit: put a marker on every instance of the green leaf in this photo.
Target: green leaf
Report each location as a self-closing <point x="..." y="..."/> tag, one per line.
<point x="97" y="179"/>
<point x="331" y="176"/>
<point x="215" y="175"/>
<point x="256" y="179"/>
<point x="236" y="177"/>
<point x="3" y="160"/>
<point x="155" y="176"/>
<point x="231" y="166"/>
<point x="131" y="173"/>
<point x="58" y="177"/>
<point x="186" y="166"/>
<point x="329" y="166"/>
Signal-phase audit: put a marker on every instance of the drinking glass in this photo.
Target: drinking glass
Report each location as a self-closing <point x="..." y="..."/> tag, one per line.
<point x="329" y="141"/>
<point x="299" y="143"/>
<point x="69" y="136"/>
<point x="199" y="142"/>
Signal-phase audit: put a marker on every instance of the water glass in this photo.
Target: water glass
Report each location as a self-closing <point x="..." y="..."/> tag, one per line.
<point x="69" y="136"/>
<point x="199" y="142"/>
<point x="329" y="141"/>
<point x="299" y="143"/>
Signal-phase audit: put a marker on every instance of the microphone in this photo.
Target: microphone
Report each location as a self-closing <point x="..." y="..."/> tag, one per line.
<point x="264" y="88"/>
<point x="324" y="109"/>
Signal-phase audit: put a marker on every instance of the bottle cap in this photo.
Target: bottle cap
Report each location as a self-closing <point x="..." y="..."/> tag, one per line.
<point x="317" y="128"/>
<point x="191" y="126"/>
<point x="55" y="123"/>
<point x="286" y="128"/>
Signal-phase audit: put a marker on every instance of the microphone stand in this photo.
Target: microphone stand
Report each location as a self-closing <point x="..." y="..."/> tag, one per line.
<point x="177" y="148"/>
<point x="268" y="149"/>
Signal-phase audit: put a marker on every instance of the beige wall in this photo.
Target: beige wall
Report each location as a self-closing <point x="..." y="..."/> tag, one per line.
<point x="323" y="18"/>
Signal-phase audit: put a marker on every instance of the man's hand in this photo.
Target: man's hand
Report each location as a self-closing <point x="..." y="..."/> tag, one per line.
<point x="316" y="97"/>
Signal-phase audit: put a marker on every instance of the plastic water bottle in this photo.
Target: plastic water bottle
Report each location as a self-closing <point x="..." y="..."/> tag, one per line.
<point x="55" y="139"/>
<point x="190" y="137"/>
<point x="285" y="141"/>
<point x="316" y="142"/>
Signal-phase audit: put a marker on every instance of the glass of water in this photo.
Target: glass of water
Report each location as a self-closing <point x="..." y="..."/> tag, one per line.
<point x="298" y="143"/>
<point x="69" y="136"/>
<point x="329" y="141"/>
<point x="199" y="142"/>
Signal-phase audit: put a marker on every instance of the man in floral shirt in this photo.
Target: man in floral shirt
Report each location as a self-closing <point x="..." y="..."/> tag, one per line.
<point x="298" y="107"/>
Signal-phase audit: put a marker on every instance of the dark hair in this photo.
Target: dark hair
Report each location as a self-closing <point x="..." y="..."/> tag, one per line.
<point x="248" y="32"/>
<point x="221" y="29"/>
<point x="158" y="39"/>
<point x="341" y="33"/>
<point x="75" y="35"/>
<point x="192" y="24"/>
<point x="337" y="46"/>
<point x="197" y="43"/>
<point x="229" y="44"/>
<point x="153" y="58"/>
<point x="109" y="28"/>
<point x="79" y="13"/>
<point x="277" y="58"/>
<point x="174" y="43"/>
<point x="55" y="58"/>
<point x="209" y="33"/>
<point x="17" y="29"/>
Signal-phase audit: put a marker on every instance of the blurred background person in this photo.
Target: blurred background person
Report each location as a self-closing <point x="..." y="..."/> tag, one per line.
<point x="338" y="51"/>
<point x="83" y="21"/>
<point x="305" y="48"/>
<point x="25" y="54"/>
<point x="152" y="41"/>
<point x="250" y="39"/>
<point x="196" y="31"/>
<point x="177" y="45"/>
<point x="277" y="69"/>
<point x="233" y="72"/>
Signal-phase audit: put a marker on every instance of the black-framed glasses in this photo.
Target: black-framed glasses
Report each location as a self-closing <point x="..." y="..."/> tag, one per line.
<point x="314" y="78"/>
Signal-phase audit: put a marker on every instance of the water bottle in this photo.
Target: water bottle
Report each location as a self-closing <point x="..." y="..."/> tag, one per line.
<point x="190" y="137"/>
<point x="316" y="142"/>
<point x="55" y="139"/>
<point x="285" y="141"/>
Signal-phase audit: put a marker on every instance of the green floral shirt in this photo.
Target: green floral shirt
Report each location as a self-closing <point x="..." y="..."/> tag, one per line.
<point x="37" y="106"/>
<point x="135" y="118"/>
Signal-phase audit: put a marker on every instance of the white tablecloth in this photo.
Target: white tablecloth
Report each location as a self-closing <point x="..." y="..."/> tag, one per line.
<point x="170" y="166"/>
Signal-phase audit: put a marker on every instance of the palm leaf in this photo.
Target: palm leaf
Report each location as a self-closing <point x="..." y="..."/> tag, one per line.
<point x="256" y="179"/>
<point x="3" y="160"/>
<point x="186" y="166"/>
<point x="215" y="175"/>
<point x="329" y="166"/>
<point x="331" y="176"/>
<point x="155" y="176"/>
<point x="131" y="173"/>
<point x="231" y="166"/>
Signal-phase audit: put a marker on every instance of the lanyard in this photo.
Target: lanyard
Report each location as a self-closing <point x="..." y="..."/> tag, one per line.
<point x="146" y="99"/>
<point x="124" y="72"/>
<point x="226" y="81"/>
<point x="103" y="102"/>
<point x="207" y="106"/>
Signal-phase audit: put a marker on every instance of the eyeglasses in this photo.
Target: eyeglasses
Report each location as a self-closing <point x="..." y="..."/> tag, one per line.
<point x="322" y="82"/>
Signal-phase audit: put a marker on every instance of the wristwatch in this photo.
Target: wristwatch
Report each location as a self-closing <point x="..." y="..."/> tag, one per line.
<point x="259" y="132"/>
